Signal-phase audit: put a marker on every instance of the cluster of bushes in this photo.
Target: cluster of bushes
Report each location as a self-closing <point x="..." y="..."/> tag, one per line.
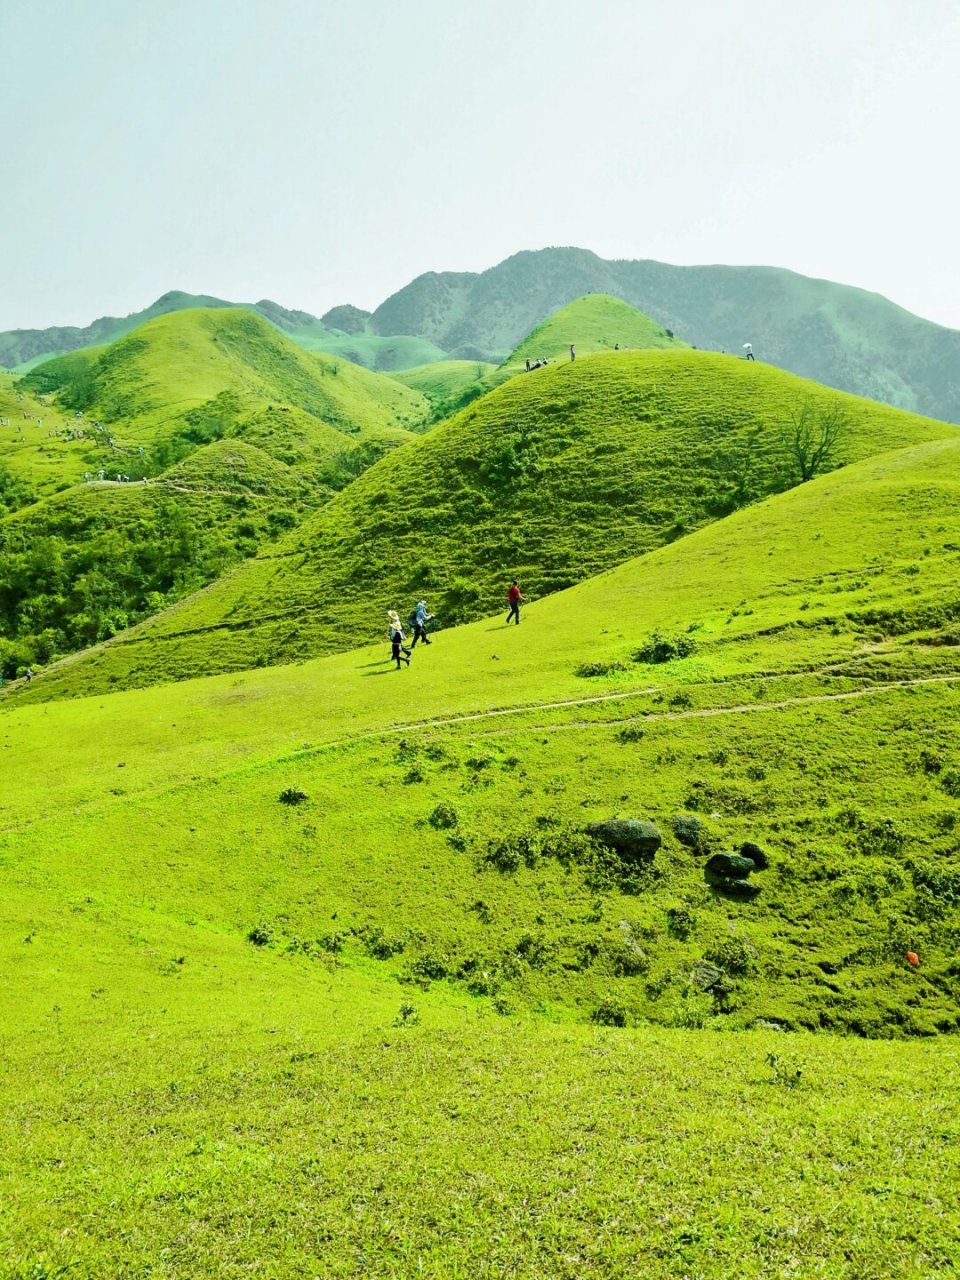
<point x="60" y="592"/>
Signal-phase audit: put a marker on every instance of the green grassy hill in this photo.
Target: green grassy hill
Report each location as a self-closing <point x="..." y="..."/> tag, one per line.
<point x="552" y="478"/>
<point x="26" y="349"/>
<point x="239" y="433"/>
<point x="231" y="1003"/>
<point x="181" y="362"/>
<point x="593" y="324"/>
<point x="444" y="381"/>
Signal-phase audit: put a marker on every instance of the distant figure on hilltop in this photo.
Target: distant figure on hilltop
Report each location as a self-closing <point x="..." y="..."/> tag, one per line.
<point x="573" y="354"/>
<point x="528" y="364"/>
<point x="748" y="348"/>
<point x="514" y="596"/>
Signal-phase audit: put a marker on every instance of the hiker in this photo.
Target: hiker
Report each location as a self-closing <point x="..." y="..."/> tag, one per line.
<point x="748" y="348"/>
<point x="28" y="674"/>
<point x="616" y="346"/>
<point x="573" y="354"/>
<point x="418" y="620"/>
<point x="397" y="638"/>
<point x="528" y="364"/>
<point x="514" y="596"/>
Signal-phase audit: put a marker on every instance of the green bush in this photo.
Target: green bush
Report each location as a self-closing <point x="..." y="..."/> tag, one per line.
<point x="665" y="648"/>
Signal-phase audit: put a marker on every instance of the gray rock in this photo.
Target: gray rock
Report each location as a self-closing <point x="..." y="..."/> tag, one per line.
<point x="742" y="890"/>
<point x="731" y="864"/>
<point x="705" y="975"/>
<point x="634" y="839"/>
<point x="756" y="855"/>
<point x="689" y="830"/>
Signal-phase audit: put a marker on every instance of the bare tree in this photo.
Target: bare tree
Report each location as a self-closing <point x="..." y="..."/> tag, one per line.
<point x="814" y="436"/>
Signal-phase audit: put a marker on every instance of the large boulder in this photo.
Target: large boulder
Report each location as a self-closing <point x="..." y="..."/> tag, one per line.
<point x="634" y="839"/>
<point x="731" y="864"/>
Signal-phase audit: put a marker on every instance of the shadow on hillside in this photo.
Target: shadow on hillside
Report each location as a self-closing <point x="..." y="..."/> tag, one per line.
<point x="380" y="673"/>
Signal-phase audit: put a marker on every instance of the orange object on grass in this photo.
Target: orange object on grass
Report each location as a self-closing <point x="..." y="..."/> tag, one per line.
<point x="913" y="957"/>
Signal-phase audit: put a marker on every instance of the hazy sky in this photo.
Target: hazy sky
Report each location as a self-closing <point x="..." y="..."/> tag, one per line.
<point x="326" y="151"/>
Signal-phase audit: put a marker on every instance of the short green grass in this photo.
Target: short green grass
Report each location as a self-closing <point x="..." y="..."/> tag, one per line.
<point x="553" y="479"/>
<point x="352" y="1035"/>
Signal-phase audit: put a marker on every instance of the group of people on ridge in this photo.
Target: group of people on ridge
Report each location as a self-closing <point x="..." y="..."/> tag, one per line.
<point x="420" y="616"/>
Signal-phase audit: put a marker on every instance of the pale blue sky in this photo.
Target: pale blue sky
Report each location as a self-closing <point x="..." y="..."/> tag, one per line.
<point x="326" y="151"/>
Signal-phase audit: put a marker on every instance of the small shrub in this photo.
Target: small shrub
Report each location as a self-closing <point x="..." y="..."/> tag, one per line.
<point x="783" y="1072"/>
<point x="681" y="923"/>
<point x="632" y="733"/>
<point x="291" y="796"/>
<point x="509" y="854"/>
<point x="444" y="817"/>
<point x="431" y="967"/>
<point x="331" y="942"/>
<point x="379" y="944"/>
<point x="261" y="935"/>
<point x="414" y="774"/>
<point x="663" y="648"/>
<point x="736" y="955"/>
<point x="950" y="781"/>
<point x="588" y="670"/>
<point x="408" y="1016"/>
<point x="610" y="1013"/>
<point x="534" y="949"/>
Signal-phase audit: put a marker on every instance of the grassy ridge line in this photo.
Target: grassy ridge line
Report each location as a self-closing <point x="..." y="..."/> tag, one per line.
<point x="554" y="477"/>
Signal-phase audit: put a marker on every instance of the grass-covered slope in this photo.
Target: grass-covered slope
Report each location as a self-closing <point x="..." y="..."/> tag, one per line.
<point x="180" y="362"/>
<point x="445" y="382"/>
<point x="157" y="406"/>
<point x="228" y="1004"/>
<point x="591" y="324"/>
<point x="554" y="478"/>
<point x="85" y="563"/>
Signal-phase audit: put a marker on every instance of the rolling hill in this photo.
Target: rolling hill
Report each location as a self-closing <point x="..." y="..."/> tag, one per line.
<point x="592" y="324"/>
<point x="268" y="930"/>
<point x="26" y="349"/>
<point x="238" y="433"/>
<point x="554" y="477"/>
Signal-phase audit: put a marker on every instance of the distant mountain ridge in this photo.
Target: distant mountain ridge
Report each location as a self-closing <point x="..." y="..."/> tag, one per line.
<point x="836" y="334"/>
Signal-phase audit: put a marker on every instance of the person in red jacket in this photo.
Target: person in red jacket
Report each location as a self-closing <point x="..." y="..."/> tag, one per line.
<point x="514" y="596"/>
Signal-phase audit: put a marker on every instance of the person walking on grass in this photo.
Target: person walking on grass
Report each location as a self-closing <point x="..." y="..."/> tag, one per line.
<point x="419" y="619"/>
<point x="514" y="596"/>
<point x="397" y="638"/>
<point x="573" y="354"/>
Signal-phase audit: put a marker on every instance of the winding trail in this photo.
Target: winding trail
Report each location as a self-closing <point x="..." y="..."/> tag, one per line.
<point x="744" y="708"/>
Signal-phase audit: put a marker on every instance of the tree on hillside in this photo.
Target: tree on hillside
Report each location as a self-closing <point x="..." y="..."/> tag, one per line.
<point x="814" y="437"/>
